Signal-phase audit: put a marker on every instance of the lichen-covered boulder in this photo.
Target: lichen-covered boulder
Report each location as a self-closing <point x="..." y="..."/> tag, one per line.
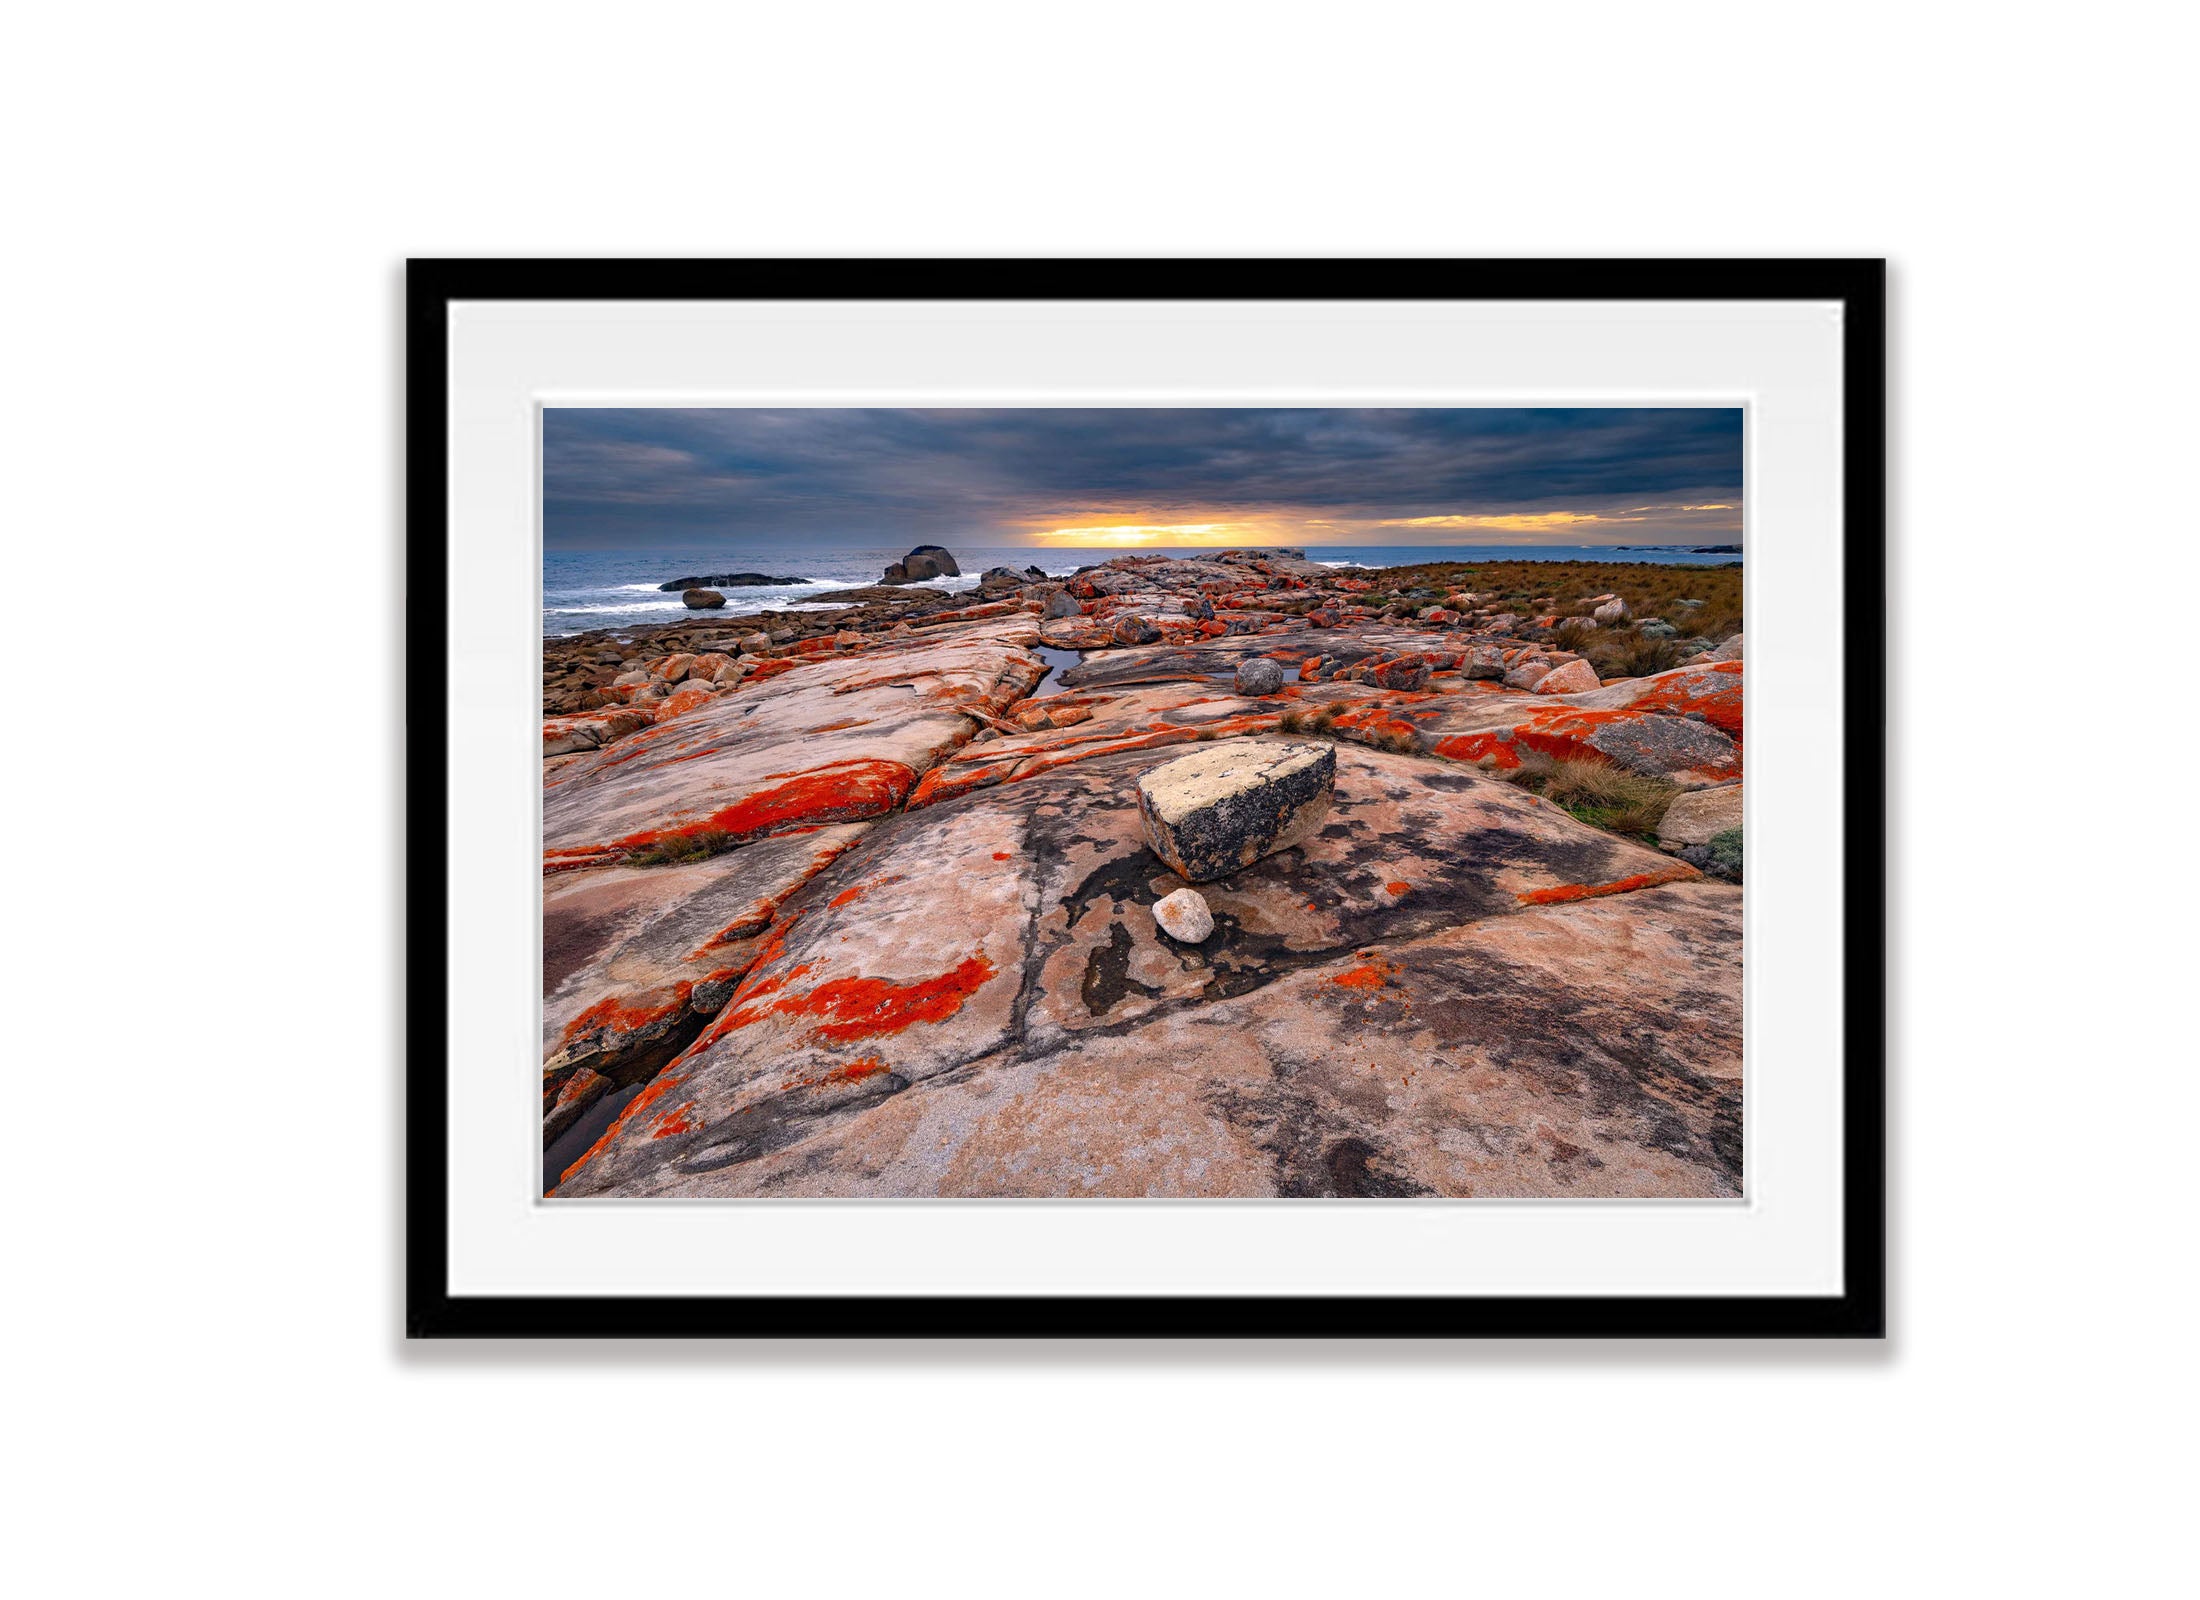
<point x="1409" y="673"/>
<point x="1213" y="812"/>
<point x="1062" y="603"/>
<point x="1135" y="630"/>
<point x="1575" y="677"/>
<point x="702" y="599"/>
<point x="1527" y="674"/>
<point x="1258" y="675"/>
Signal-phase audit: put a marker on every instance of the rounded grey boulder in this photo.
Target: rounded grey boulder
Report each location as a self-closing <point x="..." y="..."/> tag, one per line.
<point x="1257" y="675"/>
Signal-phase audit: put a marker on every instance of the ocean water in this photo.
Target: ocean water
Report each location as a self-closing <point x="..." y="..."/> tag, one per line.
<point x="584" y="589"/>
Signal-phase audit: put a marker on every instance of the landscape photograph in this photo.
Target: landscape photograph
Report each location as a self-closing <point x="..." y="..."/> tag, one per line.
<point x="1142" y="803"/>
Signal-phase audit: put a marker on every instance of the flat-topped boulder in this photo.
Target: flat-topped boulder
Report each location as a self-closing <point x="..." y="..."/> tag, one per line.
<point x="1227" y="805"/>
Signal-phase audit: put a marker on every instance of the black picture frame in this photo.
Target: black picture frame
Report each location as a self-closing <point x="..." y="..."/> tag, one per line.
<point x="1859" y="1311"/>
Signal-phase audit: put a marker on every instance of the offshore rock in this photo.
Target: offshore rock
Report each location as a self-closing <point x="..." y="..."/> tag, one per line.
<point x="726" y="580"/>
<point x="1214" y="812"/>
<point x="1184" y="916"/>
<point x="927" y="561"/>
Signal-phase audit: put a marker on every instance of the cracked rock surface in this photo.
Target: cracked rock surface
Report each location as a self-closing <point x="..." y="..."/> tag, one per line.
<point x="872" y="922"/>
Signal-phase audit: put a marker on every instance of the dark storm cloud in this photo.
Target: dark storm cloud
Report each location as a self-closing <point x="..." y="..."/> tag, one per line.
<point x="874" y="476"/>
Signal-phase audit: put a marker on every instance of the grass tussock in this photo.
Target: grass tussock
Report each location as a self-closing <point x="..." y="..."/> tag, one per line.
<point x="681" y="849"/>
<point x="1596" y="792"/>
<point x="1319" y="722"/>
<point x="1624" y="653"/>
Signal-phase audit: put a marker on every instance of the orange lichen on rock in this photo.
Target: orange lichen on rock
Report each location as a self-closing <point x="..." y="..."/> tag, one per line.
<point x="673" y="1121"/>
<point x="1398" y="888"/>
<point x="843" y="792"/>
<point x="846" y="1009"/>
<point x="857" y="1070"/>
<point x="1716" y="692"/>
<point x="663" y="1085"/>
<point x="1564" y="893"/>
<point x="629" y="1013"/>
<point x="1373" y="972"/>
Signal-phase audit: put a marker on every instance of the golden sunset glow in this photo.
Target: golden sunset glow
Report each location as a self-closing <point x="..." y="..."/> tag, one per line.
<point x="1540" y="521"/>
<point x="1133" y="535"/>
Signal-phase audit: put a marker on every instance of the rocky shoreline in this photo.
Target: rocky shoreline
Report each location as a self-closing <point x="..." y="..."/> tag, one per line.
<point x="833" y="905"/>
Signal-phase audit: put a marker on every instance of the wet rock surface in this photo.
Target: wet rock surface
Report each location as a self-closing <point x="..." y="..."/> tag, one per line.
<point x="833" y="906"/>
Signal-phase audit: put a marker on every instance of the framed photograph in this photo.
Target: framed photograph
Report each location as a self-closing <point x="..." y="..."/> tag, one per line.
<point x="1145" y="798"/>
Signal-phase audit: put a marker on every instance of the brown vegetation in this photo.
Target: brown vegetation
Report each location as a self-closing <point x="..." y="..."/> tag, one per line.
<point x="1596" y="793"/>
<point x="1566" y="587"/>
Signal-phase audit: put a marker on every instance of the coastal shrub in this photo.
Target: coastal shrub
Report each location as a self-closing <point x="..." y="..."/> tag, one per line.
<point x="1726" y="854"/>
<point x="1650" y="590"/>
<point x="1624" y="653"/>
<point x="1596" y="792"/>
<point x="682" y="848"/>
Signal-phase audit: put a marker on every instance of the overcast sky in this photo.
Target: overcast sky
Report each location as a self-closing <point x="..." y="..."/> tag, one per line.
<point x="1122" y="478"/>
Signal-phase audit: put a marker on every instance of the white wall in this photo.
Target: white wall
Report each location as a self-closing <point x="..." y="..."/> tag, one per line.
<point x="208" y="206"/>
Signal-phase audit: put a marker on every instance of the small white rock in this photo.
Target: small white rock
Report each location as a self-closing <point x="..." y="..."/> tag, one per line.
<point x="1184" y="915"/>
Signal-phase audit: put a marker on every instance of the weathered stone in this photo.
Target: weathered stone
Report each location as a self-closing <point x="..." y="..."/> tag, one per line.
<point x="1664" y="746"/>
<point x="1701" y="815"/>
<point x="590" y="730"/>
<point x="703" y="599"/>
<point x="1184" y="916"/>
<point x="1483" y="661"/>
<point x="1575" y="677"/>
<point x="1613" y="610"/>
<point x="1135" y="630"/>
<point x="1410" y="673"/>
<point x="1258" y="675"/>
<point x="1212" y="813"/>
<point x="1062" y="603"/>
<point x="1527" y="674"/>
<point x="1729" y="651"/>
<point x="568" y="1098"/>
